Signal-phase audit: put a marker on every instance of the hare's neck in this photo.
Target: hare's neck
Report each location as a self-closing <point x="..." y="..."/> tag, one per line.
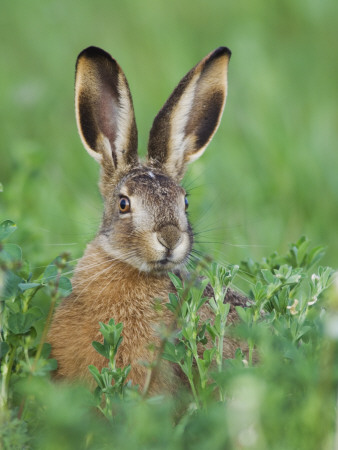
<point x="100" y="277"/>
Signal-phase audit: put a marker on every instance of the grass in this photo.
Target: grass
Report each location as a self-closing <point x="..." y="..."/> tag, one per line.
<point x="270" y="397"/>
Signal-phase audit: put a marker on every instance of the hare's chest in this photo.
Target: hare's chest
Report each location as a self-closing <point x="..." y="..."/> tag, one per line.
<point x="141" y="326"/>
<point x="140" y="344"/>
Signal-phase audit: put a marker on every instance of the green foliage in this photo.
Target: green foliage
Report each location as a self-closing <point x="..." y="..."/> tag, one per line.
<point x="13" y="433"/>
<point x="6" y="229"/>
<point x="194" y="332"/>
<point x="111" y="381"/>
<point x="24" y="325"/>
<point x="269" y="396"/>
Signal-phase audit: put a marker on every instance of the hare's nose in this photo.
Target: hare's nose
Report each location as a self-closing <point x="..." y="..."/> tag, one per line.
<point x="169" y="236"/>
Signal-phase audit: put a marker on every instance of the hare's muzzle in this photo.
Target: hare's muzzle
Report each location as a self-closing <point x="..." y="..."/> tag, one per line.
<point x="170" y="237"/>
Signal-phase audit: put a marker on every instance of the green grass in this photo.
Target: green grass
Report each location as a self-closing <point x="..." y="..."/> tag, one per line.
<point x="280" y="394"/>
<point x="270" y="173"/>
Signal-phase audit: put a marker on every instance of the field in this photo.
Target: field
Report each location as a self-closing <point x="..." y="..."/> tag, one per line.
<point x="268" y="177"/>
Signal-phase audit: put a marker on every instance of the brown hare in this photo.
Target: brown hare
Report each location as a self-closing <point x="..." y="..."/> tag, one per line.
<point x="145" y="231"/>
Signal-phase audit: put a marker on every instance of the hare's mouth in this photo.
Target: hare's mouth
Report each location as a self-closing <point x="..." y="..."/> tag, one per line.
<point x="164" y="261"/>
<point x="166" y="264"/>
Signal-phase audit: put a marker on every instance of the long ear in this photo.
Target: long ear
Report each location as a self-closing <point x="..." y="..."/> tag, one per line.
<point x="104" y="109"/>
<point x="187" y="122"/>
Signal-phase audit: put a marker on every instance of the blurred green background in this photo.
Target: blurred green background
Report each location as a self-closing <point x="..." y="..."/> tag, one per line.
<point x="269" y="175"/>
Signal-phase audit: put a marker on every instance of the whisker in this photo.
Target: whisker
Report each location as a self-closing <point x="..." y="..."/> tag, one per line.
<point x="93" y="278"/>
<point x="104" y="288"/>
<point x="63" y="244"/>
<point x="88" y="266"/>
<point x="226" y="264"/>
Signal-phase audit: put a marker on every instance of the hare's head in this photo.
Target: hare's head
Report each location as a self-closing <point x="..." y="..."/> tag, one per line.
<point x="145" y="222"/>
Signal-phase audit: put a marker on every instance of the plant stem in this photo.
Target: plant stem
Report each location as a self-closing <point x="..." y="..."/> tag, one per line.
<point x="200" y="371"/>
<point x="194" y="393"/>
<point x="43" y="337"/>
<point x="7" y="371"/>
<point x="152" y="371"/>
<point x="251" y="347"/>
<point x="220" y="350"/>
<point x="28" y="299"/>
<point x="44" y="334"/>
<point x="48" y="321"/>
<point x="147" y="382"/>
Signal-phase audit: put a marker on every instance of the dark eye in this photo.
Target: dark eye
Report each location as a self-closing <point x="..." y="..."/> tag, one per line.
<point x="124" y="205"/>
<point x="186" y="203"/>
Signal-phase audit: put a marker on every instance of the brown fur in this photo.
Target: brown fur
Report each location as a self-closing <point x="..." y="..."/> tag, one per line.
<point x="105" y="289"/>
<point x="125" y="269"/>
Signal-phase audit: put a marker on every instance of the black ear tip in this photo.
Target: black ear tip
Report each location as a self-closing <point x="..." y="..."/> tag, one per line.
<point x="93" y="52"/>
<point x="221" y="51"/>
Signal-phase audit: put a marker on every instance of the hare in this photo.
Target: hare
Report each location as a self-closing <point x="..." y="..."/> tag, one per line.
<point x="145" y="231"/>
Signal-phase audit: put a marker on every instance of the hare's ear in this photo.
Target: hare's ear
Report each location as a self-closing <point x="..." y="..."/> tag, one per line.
<point x="104" y="109"/>
<point x="187" y="122"/>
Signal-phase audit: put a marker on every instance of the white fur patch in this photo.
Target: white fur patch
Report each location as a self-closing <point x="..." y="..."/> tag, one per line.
<point x="179" y="141"/>
<point x="124" y="120"/>
<point x="180" y="252"/>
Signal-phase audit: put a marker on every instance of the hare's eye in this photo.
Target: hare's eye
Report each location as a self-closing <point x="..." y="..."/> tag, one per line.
<point x="186" y="203"/>
<point x="124" y="205"/>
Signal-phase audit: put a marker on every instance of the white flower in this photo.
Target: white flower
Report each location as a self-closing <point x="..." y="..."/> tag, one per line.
<point x="314" y="299"/>
<point x="293" y="307"/>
